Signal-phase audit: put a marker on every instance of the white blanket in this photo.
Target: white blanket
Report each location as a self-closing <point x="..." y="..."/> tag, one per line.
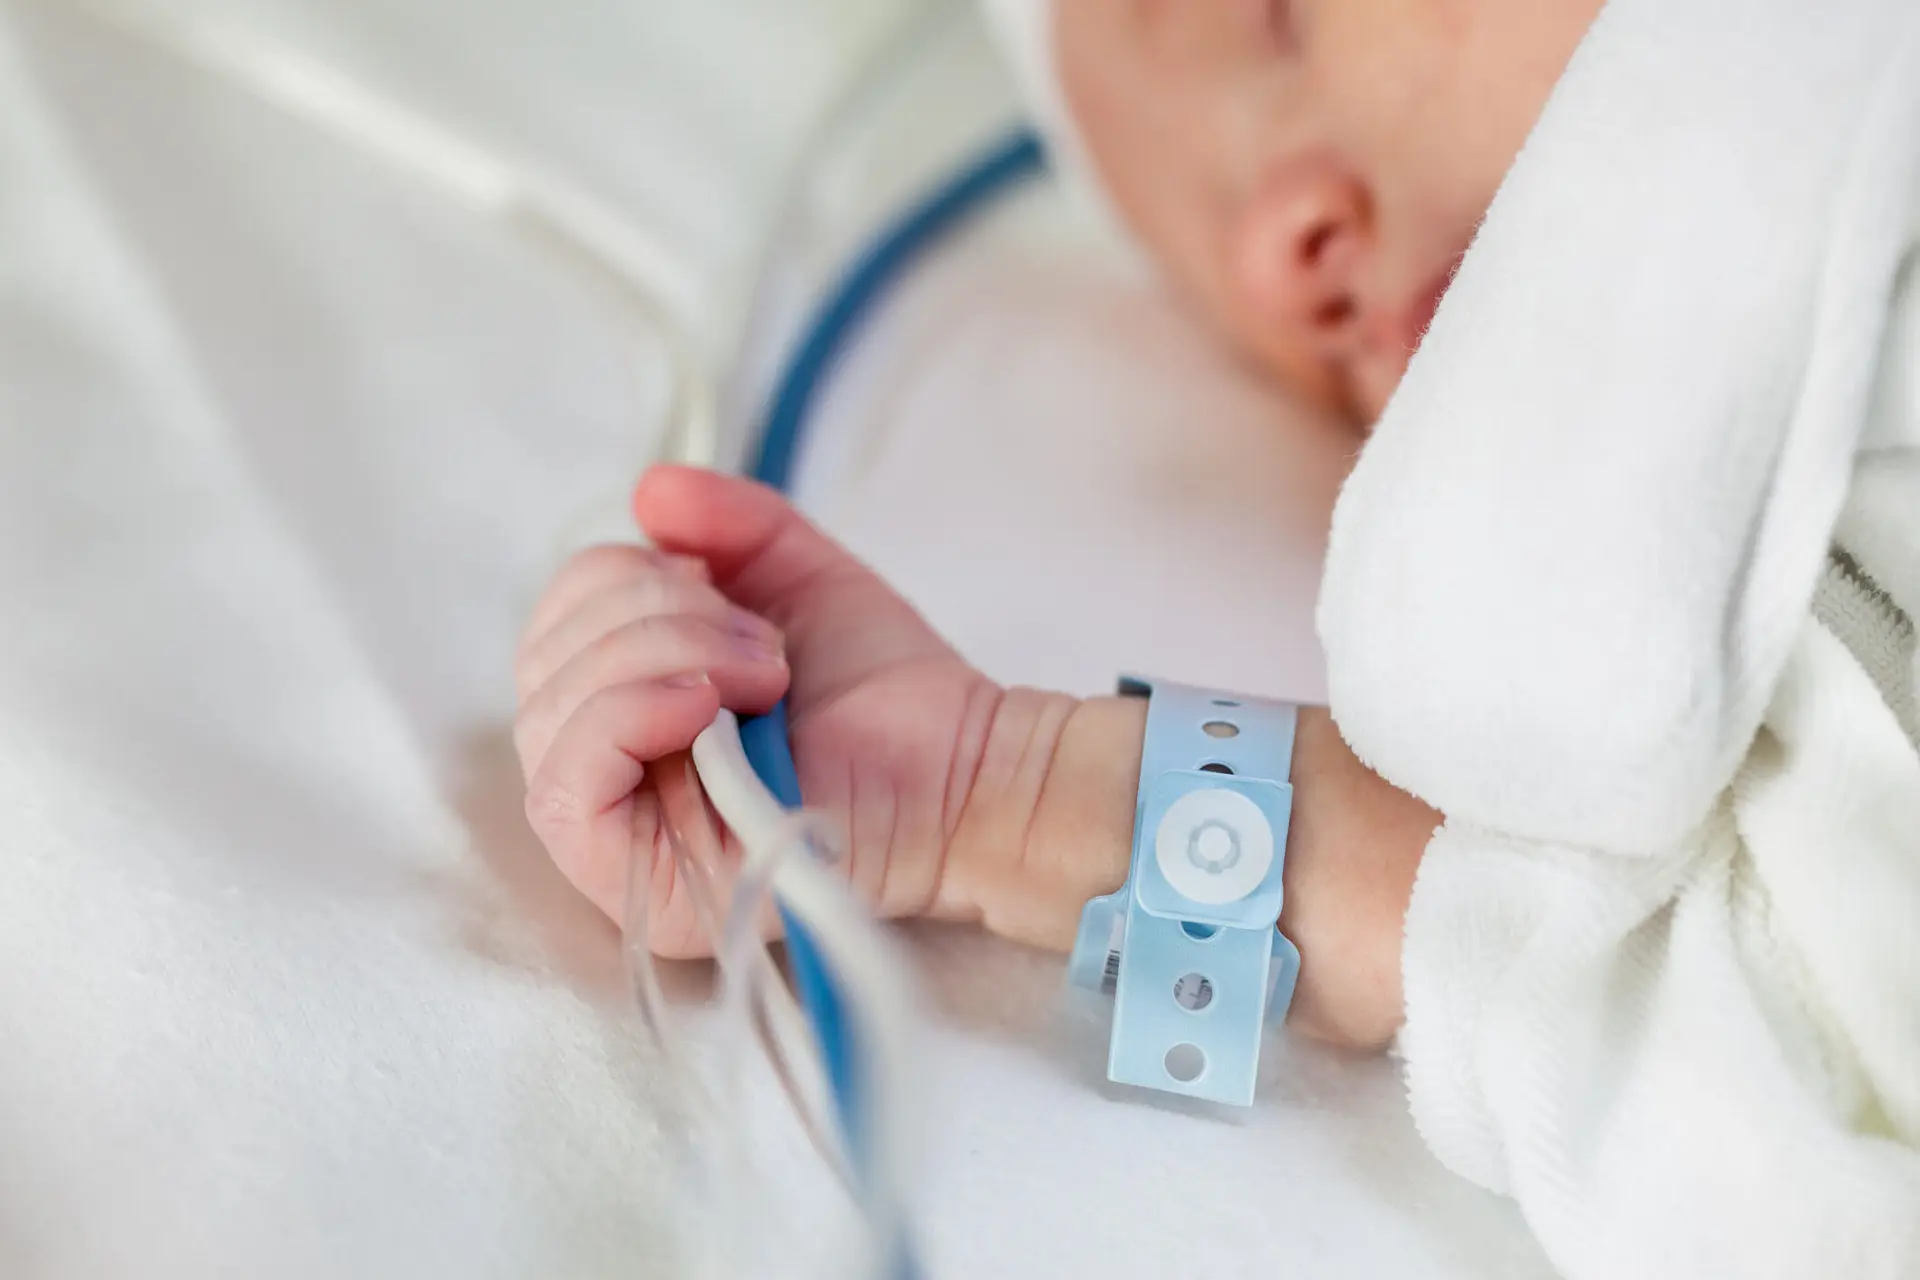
<point x="1663" y="984"/>
<point x="285" y="448"/>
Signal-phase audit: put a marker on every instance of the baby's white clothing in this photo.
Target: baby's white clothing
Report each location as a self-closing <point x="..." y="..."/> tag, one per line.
<point x="1624" y="585"/>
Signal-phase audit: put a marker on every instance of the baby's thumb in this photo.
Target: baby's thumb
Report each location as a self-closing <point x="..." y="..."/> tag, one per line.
<point x="768" y="558"/>
<point x="759" y="549"/>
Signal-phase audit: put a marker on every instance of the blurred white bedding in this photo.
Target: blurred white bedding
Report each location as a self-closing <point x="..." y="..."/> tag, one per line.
<point x="286" y="446"/>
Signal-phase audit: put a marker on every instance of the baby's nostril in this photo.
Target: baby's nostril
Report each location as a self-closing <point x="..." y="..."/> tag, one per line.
<point x="1315" y="245"/>
<point x="1334" y="313"/>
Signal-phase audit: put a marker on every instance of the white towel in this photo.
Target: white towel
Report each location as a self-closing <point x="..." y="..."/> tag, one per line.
<point x="1662" y="973"/>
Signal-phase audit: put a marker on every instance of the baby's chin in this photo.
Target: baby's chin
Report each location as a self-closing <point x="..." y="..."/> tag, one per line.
<point x="1365" y="384"/>
<point x="1373" y="387"/>
<point x="1351" y="396"/>
<point x="1350" y="393"/>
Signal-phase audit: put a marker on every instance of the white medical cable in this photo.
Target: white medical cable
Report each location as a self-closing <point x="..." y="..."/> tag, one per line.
<point x="779" y="859"/>
<point x="864" y="964"/>
<point x="648" y="274"/>
<point x="776" y="1017"/>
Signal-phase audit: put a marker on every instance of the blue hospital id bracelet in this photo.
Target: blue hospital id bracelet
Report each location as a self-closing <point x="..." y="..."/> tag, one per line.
<point x="1190" y="945"/>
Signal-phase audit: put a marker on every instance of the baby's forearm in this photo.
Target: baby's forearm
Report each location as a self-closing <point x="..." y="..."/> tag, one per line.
<point x="1048" y="824"/>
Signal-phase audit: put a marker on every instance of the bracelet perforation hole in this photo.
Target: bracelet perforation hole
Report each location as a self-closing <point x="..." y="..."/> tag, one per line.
<point x="1185" y="1063"/>
<point x="1193" y="992"/>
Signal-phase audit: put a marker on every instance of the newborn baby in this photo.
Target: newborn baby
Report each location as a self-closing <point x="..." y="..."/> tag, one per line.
<point x="1614" y="820"/>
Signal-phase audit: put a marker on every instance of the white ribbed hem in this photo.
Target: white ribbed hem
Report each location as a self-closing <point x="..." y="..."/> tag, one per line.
<point x="1450" y="963"/>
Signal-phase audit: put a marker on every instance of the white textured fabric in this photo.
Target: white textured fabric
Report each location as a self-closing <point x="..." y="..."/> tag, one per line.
<point x="1662" y="969"/>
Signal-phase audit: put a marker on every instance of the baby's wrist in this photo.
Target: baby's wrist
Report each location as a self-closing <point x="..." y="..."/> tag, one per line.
<point x="1048" y="824"/>
<point x="1048" y="821"/>
<point x="1352" y="852"/>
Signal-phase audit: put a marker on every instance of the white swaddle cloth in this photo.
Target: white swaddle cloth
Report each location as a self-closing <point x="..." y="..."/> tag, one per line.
<point x="1662" y="979"/>
<point x="1615" y="467"/>
<point x="1661" y="964"/>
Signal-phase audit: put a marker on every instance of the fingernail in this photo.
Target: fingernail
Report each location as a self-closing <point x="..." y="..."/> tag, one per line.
<point x="755" y="650"/>
<point x="686" y="680"/>
<point x="751" y="626"/>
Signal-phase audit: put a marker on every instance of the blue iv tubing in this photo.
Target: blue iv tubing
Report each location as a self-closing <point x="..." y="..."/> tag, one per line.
<point x="1003" y="165"/>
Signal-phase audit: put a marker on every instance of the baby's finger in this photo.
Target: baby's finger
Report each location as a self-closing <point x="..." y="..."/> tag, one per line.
<point x="749" y="673"/>
<point x="593" y="570"/>
<point x="578" y="795"/>
<point x="690" y="566"/>
<point x="655" y="594"/>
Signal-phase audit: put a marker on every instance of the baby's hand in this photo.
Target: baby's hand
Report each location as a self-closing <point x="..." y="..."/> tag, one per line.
<point x="957" y="799"/>
<point x="633" y="651"/>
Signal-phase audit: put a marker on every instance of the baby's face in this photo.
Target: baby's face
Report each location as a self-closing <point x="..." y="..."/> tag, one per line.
<point x="1310" y="172"/>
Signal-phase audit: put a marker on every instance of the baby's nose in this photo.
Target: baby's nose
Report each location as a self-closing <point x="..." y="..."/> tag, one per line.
<point x="1324" y="252"/>
<point x="1305" y="242"/>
